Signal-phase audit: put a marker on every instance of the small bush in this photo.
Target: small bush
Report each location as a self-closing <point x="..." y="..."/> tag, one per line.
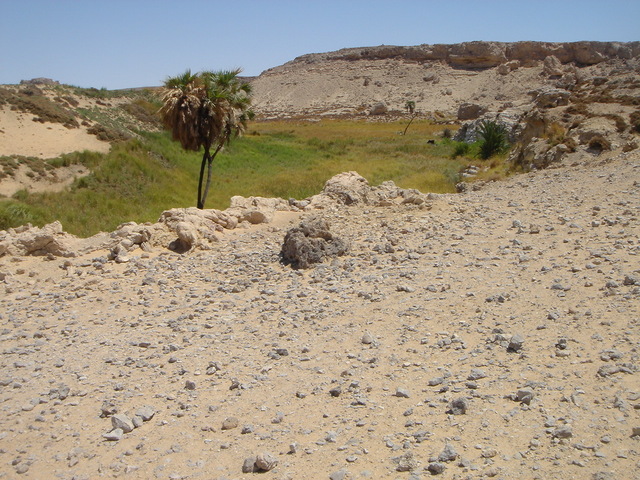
<point x="460" y="149"/>
<point x="555" y="134"/>
<point x="493" y="139"/>
<point x="13" y="215"/>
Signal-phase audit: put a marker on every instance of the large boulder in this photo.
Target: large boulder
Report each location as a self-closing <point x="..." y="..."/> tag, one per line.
<point x="311" y="243"/>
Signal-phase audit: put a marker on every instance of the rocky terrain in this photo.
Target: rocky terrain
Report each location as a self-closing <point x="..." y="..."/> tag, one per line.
<point x="439" y="78"/>
<point x="487" y="334"/>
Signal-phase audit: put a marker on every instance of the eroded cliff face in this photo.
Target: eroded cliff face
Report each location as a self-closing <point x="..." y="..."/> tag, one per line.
<point x="438" y="78"/>
<point x="491" y="54"/>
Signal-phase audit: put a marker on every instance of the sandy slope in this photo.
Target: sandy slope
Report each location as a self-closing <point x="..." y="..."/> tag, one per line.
<point x="348" y="369"/>
<point x="20" y="135"/>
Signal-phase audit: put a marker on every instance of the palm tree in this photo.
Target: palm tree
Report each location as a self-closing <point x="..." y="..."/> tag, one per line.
<point x="411" y="107"/>
<point x="206" y="110"/>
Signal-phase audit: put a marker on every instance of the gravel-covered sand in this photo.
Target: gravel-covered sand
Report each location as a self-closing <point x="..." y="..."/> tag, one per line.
<point x="490" y="334"/>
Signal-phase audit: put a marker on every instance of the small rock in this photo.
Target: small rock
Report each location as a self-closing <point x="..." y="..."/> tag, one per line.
<point x="339" y="475"/>
<point x="402" y="392"/>
<point x="515" y="344"/>
<point x="137" y="421"/>
<point x="335" y="391"/>
<point x="476" y="374"/>
<point x="458" y="406"/>
<point x="190" y="385"/>
<point x="114" y="435"/>
<point x="525" y="395"/>
<point x="229" y="423"/>
<point x="565" y="431"/>
<point x="436" y="468"/>
<point x="367" y="339"/>
<point x="449" y="454"/>
<point x="146" y="412"/>
<point x="249" y="465"/>
<point x="265" y="462"/>
<point x="122" y="421"/>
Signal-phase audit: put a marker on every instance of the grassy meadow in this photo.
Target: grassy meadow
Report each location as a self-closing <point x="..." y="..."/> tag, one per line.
<point x="140" y="178"/>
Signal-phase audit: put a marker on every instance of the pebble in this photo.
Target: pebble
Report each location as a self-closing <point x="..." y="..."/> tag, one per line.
<point x="229" y="423"/>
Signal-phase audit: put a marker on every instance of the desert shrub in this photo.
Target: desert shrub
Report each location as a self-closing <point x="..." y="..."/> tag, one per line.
<point x="555" y="133"/>
<point x="32" y="100"/>
<point x="493" y="139"/>
<point x="461" y="148"/>
<point x="621" y="125"/>
<point x="447" y="133"/>
<point x="107" y="134"/>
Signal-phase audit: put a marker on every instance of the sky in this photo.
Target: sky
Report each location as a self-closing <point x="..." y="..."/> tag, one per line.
<point x="138" y="43"/>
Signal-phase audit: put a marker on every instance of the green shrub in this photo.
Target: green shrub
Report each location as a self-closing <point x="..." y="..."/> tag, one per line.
<point x="493" y="139"/>
<point x="461" y="148"/>
<point x="13" y="215"/>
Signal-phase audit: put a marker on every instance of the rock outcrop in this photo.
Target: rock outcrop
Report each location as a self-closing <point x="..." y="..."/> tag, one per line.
<point x="187" y="229"/>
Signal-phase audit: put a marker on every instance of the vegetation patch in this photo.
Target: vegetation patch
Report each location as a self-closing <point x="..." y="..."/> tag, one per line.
<point x="31" y="100"/>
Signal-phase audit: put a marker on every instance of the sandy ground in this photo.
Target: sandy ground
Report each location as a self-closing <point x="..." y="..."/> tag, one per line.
<point x="492" y="334"/>
<point x="20" y="135"/>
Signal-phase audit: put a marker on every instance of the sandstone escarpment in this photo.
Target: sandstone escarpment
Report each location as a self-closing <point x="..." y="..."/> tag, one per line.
<point x="438" y="78"/>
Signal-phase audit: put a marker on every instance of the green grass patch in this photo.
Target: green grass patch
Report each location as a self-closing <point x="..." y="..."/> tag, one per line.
<point x="140" y="178"/>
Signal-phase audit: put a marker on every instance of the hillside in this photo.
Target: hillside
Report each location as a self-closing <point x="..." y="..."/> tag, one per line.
<point x="441" y="77"/>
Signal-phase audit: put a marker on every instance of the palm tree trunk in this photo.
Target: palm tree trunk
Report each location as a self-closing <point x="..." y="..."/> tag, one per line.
<point x="205" y="157"/>
<point x="209" y="171"/>
<point x="407" y="127"/>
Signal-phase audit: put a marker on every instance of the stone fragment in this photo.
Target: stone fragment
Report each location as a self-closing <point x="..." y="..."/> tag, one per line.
<point x="525" y="395"/>
<point x="515" y="343"/>
<point x="458" y="406"/>
<point x="563" y="431"/>
<point x="476" y="374"/>
<point x="449" y="454"/>
<point x="436" y="468"/>
<point x="402" y="392"/>
<point x="249" y="465"/>
<point x="114" y="435"/>
<point x="229" y="423"/>
<point x="266" y="461"/>
<point x="339" y="475"/>
<point x="146" y="412"/>
<point x="122" y="421"/>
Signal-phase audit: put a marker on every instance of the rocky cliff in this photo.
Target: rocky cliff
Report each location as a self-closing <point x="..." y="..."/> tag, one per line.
<point x="438" y="78"/>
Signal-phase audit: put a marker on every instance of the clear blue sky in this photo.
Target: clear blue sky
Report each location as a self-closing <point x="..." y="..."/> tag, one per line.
<point x="132" y="43"/>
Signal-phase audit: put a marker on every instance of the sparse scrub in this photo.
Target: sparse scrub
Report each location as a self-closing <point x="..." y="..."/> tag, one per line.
<point x="44" y="110"/>
<point x="555" y="134"/>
